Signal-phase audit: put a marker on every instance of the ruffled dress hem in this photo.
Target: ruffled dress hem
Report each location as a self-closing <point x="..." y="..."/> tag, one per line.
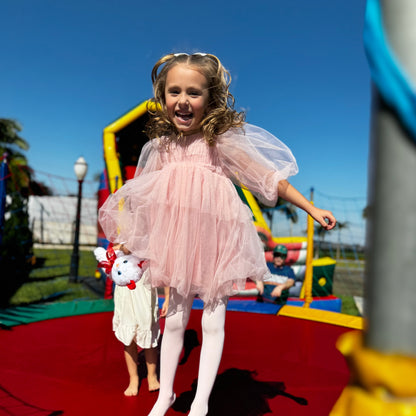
<point x="136" y="314"/>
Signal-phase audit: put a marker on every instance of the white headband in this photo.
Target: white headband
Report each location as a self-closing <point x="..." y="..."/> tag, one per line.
<point x="187" y="54"/>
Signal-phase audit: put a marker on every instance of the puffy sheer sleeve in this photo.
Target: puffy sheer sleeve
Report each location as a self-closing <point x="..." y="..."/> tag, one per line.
<point x="149" y="159"/>
<point x="255" y="159"/>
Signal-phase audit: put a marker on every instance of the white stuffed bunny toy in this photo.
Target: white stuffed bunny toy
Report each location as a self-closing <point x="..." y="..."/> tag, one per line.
<point x="123" y="269"/>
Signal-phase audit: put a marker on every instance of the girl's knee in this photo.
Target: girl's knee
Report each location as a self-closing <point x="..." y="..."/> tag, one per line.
<point x="213" y="322"/>
<point x="210" y="328"/>
<point x="177" y="322"/>
<point x="174" y="327"/>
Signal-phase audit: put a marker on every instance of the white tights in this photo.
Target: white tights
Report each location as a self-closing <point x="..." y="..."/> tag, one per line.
<point x="211" y="351"/>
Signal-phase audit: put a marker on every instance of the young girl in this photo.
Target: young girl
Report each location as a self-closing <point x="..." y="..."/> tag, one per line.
<point x="136" y="323"/>
<point x="183" y="213"/>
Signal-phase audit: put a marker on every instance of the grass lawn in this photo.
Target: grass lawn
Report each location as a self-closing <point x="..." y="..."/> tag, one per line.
<point x="348" y="305"/>
<point x="51" y="290"/>
<point x="56" y="262"/>
<point x="49" y="281"/>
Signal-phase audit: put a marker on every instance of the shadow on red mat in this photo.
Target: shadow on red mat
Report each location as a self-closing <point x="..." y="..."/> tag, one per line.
<point x="237" y="392"/>
<point x="74" y="366"/>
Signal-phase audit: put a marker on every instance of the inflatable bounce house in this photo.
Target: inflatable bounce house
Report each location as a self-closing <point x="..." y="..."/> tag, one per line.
<point x="373" y="372"/>
<point x="122" y="143"/>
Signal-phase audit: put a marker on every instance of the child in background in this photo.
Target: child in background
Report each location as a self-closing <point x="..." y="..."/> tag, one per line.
<point x="282" y="278"/>
<point x="136" y="324"/>
<point x="183" y="213"/>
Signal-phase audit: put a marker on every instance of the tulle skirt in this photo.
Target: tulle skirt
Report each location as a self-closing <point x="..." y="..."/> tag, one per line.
<point x="189" y="221"/>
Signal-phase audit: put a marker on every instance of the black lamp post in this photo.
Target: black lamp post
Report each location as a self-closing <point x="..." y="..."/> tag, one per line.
<point x="80" y="168"/>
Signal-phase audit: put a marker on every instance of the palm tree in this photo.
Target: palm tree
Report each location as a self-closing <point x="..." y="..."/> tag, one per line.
<point x="288" y="209"/>
<point x="21" y="173"/>
<point x="16" y="247"/>
<point x="366" y="212"/>
<point x="12" y="145"/>
<point x="9" y="136"/>
<point x="282" y="206"/>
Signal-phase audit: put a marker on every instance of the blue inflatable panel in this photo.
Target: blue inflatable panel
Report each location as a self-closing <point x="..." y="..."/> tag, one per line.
<point x="253" y="306"/>
<point x="245" y="306"/>
<point x="237" y="305"/>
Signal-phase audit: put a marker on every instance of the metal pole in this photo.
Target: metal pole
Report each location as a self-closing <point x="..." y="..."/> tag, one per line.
<point x="308" y="280"/>
<point x="73" y="274"/>
<point x="42" y="209"/>
<point x="391" y="235"/>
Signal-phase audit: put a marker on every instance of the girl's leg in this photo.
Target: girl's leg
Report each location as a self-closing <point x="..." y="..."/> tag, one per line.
<point x="172" y="344"/>
<point x="131" y="355"/>
<point x="150" y="355"/>
<point x="211" y="353"/>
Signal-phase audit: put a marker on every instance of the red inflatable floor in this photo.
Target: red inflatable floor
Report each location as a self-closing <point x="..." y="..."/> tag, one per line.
<point x="74" y="366"/>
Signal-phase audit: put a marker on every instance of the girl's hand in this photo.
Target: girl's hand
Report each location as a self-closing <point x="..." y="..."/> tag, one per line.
<point x="122" y="248"/>
<point x="260" y="286"/>
<point x="164" y="310"/>
<point x="324" y="217"/>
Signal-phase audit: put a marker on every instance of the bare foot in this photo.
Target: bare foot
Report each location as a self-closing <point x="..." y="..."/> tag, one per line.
<point x="153" y="383"/>
<point x="133" y="388"/>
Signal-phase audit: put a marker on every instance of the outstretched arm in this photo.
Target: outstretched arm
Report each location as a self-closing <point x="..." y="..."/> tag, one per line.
<point x="292" y="195"/>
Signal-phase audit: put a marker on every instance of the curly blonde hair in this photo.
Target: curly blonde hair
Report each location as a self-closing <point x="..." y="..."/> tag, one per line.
<point x="220" y="113"/>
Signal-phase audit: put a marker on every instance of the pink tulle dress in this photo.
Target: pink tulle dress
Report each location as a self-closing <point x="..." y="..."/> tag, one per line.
<point x="182" y="211"/>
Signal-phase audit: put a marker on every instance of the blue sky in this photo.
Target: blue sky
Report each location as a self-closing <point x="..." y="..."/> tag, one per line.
<point x="69" y="68"/>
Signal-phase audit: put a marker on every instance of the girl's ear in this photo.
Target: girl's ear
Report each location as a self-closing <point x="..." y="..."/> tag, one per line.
<point x="99" y="253"/>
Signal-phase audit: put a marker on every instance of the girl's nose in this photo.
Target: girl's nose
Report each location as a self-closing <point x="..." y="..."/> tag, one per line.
<point x="183" y="99"/>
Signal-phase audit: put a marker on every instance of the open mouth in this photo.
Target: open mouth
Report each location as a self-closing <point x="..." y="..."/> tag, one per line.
<point x="184" y="116"/>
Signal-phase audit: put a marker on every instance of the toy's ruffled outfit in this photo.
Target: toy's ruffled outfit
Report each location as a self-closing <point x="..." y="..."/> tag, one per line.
<point x="136" y="314"/>
<point x="183" y="213"/>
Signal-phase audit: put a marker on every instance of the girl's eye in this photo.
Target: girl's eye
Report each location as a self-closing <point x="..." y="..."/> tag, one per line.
<point x="194" y="93"/>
